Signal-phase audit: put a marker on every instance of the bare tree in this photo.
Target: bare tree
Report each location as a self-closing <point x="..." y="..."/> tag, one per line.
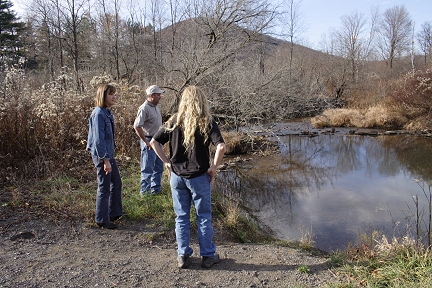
<point x="45" y="50"/>
<point x="394" y="32"/>
<point x="216" y="33"/>
<point x="292" y="27"/>
<point x="176" y="16"/>
<point x="110" y="28"/>
<point x="137" y="44"/>
<point x="351" y="45"/>
<point x="48" y="29"/>
<point x="71" y="16"/>
<point x="57" y="22"/>
<point x="64" y="28"/>
<point x="424" y="38"/>
<point x="157" y="17"/>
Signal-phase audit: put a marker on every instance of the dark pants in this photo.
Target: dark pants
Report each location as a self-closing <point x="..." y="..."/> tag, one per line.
<point x="109" y="193"/>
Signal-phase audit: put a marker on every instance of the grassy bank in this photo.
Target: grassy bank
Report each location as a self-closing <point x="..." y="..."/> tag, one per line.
<point x="72" y="198"/>
<point x="376" y="262"/>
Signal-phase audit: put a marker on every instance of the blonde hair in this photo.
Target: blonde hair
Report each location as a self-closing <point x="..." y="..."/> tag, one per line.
<point x="102" y="92"/>
<point x="193" y="114"/>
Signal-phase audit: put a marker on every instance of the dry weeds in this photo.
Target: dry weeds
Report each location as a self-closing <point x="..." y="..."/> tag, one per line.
<point x="372" y="117"/>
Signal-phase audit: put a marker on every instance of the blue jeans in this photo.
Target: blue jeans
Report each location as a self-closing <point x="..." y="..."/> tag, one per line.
<point x="109" y="193"/>
<point x="151" y="170"/>
<point x="184" y="192"/>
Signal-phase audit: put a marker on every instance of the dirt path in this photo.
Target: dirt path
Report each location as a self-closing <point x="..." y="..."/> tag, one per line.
<point x="39" y="253"/>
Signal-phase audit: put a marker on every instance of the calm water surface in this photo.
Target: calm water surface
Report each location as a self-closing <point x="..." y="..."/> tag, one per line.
<point x="336" y="187"/>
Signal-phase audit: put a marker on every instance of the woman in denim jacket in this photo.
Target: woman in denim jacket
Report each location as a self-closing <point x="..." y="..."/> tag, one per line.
<point x="101" y="145"/>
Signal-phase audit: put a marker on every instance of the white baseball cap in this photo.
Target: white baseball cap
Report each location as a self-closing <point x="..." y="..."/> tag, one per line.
<point x="154" y="89"/>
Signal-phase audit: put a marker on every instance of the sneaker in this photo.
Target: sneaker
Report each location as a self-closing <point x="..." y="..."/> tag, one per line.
<point x="183" y="261"/>
<point x="208" y="262"/>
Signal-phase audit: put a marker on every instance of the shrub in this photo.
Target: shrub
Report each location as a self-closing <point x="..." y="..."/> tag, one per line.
<point x="49" y="124"/>
<point x="408" y="105"/>
<point x="414" y="94"/>
<point x="44" y="129"/>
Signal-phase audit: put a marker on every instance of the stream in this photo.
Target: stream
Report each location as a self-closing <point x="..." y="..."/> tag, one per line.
<point x="334" y="187"/>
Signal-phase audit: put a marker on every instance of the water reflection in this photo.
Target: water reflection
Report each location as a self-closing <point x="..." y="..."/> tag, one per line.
<point x="414" y="153"/>
<point x="335" y="187"/>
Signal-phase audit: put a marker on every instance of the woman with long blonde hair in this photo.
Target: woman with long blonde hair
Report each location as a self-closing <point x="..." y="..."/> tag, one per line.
<point x="190" y="132"/>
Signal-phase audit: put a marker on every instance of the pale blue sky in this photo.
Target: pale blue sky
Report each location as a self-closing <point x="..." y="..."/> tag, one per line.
<point x="320" y="16"/>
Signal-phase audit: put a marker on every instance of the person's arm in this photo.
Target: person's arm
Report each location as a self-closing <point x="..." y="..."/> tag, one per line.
<point x="140" y="132"/>
<point x="220" y="151"/>
<point x="101" y="149"/>
<point x="139" y="121"/>
<point x="158" y="148"/>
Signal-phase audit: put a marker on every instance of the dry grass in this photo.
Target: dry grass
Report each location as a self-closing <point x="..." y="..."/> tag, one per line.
<point x="384" y="116"/>
<point x="234" y="142"/>
<point x="423" y="124"/>
<point x="375" y="116"/>
<point x="378" y="262"/>
<point x="243" y="143"/>
<point x="402" y="104"/>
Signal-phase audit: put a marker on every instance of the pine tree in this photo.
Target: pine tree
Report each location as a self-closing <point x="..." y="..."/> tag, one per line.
<point x="11" y="47"/>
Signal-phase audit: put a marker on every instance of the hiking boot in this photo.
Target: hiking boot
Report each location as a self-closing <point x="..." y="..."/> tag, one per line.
<point x="183" y="261"/>
<point x="208" y="262"/>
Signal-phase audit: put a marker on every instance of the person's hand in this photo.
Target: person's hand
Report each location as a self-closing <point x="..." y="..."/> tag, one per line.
<point x="212" y="172"/>
<point x="149" y="146"/>
<point x="168" y="165"/>
<point x="107" y="167"/>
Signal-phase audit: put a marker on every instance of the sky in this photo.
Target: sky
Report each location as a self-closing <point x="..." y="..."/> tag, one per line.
<point x="320" y="16"/>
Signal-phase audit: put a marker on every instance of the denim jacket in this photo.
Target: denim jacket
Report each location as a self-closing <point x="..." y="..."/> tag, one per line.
<point x="100" y="142"/>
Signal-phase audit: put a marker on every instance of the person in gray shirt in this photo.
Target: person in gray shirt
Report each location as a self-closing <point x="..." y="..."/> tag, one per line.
<point x="147" y="123"/>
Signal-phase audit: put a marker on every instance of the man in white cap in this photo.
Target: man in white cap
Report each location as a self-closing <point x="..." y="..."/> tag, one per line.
<point x="147" y="123"/>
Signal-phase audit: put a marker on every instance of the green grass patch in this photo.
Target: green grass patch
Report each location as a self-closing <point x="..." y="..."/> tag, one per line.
<point x="66" y="196"/>
<point x="75" y="199"/>
<point x="304" y="269"/>
<point x="394" y="264"/>
<point x="157" y="208"/>
<point x="238" y="226"/>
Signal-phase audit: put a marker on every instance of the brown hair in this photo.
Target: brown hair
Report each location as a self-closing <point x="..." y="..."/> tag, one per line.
<point x="102" y="92"/>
